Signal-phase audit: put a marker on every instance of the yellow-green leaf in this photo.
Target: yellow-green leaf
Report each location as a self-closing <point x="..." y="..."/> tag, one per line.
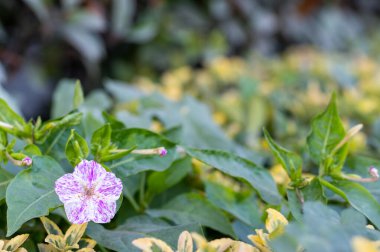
<point x="75" y="233"/>
<point x="47" y="248"/>
<point x="50" y="226"/>
<point x="56" y="240"/>
<point x="87" y="243"/>
<point x="16" y="242"/>
<point x="185" y="242"/>
<point x="151" y="245"/>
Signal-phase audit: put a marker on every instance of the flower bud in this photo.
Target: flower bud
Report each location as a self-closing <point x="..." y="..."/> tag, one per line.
<point x="27" y="161"/>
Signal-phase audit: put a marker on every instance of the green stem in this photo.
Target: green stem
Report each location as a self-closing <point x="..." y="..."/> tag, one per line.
<point x="333" y="188"/>
<point x="131" y="200"/>
<point x="142" y="191"/>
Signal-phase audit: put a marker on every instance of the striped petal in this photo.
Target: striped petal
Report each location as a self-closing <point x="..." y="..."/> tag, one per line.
<point x="103" y="211"/>
<point x="89" y="172"/>
<point x="110" y="188"/>
<point x="79" y="212"/>
<point x="68" y="188"/>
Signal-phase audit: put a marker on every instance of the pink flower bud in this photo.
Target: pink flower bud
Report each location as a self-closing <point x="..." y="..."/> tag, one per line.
<point x="27" y="161"/>
<point x="373" y="172"/>
<point x="163" y="151"/>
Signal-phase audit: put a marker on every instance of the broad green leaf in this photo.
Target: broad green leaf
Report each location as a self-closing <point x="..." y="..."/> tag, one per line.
<point x="76" y="148"/>
<point x="291" y="162"/>
<point x="31" y="193"/>
<point x="235" y="166"/>
<point x="63" y="97"/>
<point x="311" y="192"/>
<point x="193" y="208"/>
<point x="326" y="132"/>
<point x="5" y="179"/>
<point x="78" y="95"/>
<point x="360" y="199"/>
<point x="141" y="139"/>
<point x="50" y="226"/>
<point x="120" y="239"/>
<point x="161" y="181"/>
<point x="244" y="207"/>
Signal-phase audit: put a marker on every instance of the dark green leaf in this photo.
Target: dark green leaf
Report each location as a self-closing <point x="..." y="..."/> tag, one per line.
<point x="235" y="166"/>
<point x="193" y="208"/>
<point x="311" y="192"/>
<point x="161" y="181"/>
<point x="31" y="193"/>
<point x="326" y="132"/>
<point x="5" y="179"/>
<point x="289" y="160"/>
<point x="244" y="207"/>
<point x="141" y="139"/>
<point x="360" y="199"/>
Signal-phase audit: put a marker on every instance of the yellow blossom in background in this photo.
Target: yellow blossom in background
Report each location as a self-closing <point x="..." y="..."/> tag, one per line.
<point x="279" y="175"/>
<point x="361" y="244"/>
<point x="275" y="224"/>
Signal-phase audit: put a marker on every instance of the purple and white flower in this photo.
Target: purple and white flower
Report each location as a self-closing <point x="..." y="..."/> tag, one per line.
<point x="89" y="193"/>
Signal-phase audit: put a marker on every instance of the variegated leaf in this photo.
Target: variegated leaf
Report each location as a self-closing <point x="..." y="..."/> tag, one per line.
<point x="46" y="248"/>
<point x="56" y="240"/>
<point x="87" y="243"/>
<point x="75" y="233"/>
<point x="16" y="242"/>
<point x="50" y="226"/>
<point x="151" y="245"/>
<point x="185" y="242"/>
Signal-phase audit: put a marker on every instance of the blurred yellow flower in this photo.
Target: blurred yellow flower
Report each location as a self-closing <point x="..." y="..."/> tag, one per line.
<point x="361" y="244"/>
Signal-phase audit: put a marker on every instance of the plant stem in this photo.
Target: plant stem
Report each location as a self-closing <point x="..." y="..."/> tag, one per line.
<point x="131" y="200"/>
<point x="142" y="191"/>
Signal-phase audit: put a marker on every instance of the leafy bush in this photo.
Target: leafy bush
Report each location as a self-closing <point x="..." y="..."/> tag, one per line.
<point x="180" y="174"/>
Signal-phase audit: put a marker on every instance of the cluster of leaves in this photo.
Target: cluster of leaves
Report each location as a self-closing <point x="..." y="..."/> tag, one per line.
<point x="206" y="184"/>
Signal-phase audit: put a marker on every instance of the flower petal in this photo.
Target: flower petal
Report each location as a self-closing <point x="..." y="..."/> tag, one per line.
<point x="79" y="212"/>
<point x="110" y="188"/>
<point x="89" y="172"/>
<point x="68" y="188"/>
<point x="103" y="211"/>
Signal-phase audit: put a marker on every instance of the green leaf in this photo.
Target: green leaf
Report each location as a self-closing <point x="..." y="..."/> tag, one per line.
<point x="101" y="139"/>
<point x="244" y="207"/>
<point x="289" y="160"/>
<point x="76" y="148"/>
<point x="120" y="239"/>
<point x="71" y="119"/>
<point x="235" y="166"/>
<point x="193" y="208"/>
<point x="31" y="193"/>
<point x="63" y="98"/>
<point x="5" y="179"/>
<point x="326" y="132"/>
<point x="11" y="118"/>
<point x="78" y="95"/>
<point x="141" y="139"/>
<point x="161" y="181"/>
<point x="360" y="199"/>
<point x="311" y="192"/>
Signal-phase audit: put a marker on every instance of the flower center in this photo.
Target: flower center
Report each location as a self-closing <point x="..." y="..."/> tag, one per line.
<point x="88" y="191"/>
